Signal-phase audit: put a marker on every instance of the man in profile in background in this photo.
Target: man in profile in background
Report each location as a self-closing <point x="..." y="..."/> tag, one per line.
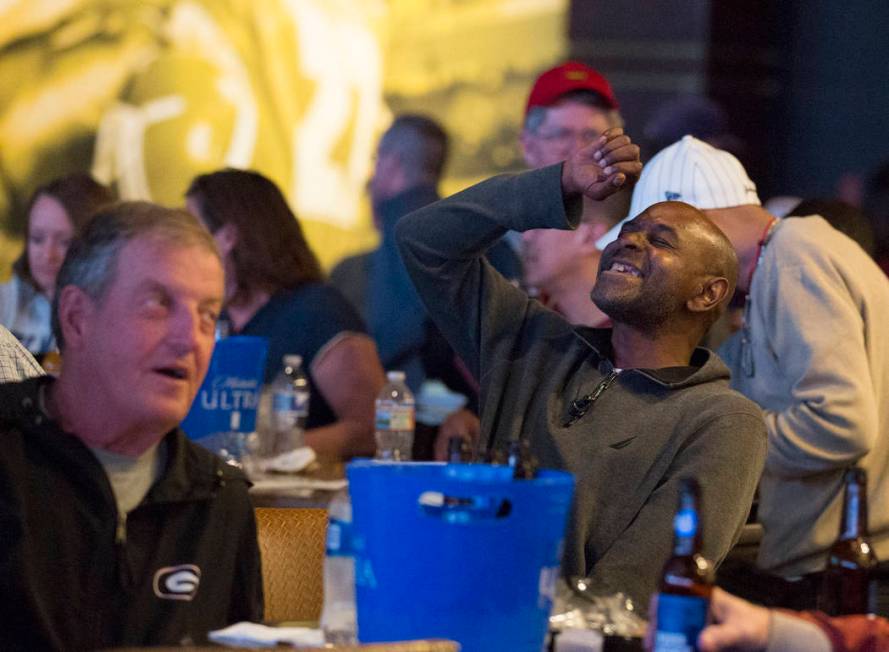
<point x="117" y="530"/>
<point x="569" y="107"/>
<point x="410" y="161"/>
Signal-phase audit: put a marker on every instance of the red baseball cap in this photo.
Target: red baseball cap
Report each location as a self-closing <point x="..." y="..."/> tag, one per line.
<point x="570" y="76"/>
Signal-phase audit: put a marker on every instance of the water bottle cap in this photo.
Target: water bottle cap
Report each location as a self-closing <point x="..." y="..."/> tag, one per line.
<point x="395" y="376"/>
<point x="293" y="360"/>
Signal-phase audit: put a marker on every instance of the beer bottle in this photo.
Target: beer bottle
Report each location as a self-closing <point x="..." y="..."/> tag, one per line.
<point x="52" y="362"/>
<point x="457" y="450"/>
<point x="848" y="586"/>
<point x="520" y="458"/>
<point x="687" y="579"/>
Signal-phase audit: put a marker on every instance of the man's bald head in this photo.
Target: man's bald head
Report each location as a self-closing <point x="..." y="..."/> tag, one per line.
<point x="717" y="254"/>
<point x="717" y="257"/>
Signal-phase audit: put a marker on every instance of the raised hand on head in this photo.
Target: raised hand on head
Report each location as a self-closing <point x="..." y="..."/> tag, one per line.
<point x="603" y="167"/>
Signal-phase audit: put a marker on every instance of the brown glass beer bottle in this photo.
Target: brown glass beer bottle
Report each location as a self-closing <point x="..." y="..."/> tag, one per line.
<point x="848" y="584"/>
<point x="457" y="450"/>
<point x="687" y="579"/>
<point x="520" y="458"/>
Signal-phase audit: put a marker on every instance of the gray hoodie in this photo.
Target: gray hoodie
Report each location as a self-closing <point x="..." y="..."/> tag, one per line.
<point x="646" y="430"/>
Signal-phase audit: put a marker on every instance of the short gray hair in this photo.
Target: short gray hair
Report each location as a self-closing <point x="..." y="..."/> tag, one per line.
<point x="537" y="114"/>
<point x="91" y="261"/>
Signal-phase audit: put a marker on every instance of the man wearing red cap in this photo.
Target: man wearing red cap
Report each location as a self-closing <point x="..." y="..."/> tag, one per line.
<point x="569" y="106"/>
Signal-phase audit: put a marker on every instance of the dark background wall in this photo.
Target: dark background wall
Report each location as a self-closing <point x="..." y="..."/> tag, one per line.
<point x="805" y="84"/>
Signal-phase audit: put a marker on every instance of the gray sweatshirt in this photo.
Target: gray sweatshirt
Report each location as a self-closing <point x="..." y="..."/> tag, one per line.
<point x="647" y="429"/>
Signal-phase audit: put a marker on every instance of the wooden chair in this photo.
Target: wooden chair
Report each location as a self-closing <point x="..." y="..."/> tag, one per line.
<point x="291" y="544"/>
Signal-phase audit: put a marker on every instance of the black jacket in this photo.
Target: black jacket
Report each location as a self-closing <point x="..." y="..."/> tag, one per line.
<point x="71" y="579"/>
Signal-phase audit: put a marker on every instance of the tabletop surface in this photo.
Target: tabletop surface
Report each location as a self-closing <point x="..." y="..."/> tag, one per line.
<point x="312" y="487"/>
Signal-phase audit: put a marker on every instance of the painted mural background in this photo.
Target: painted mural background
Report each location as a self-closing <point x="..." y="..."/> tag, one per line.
<point x="146" y="94"/>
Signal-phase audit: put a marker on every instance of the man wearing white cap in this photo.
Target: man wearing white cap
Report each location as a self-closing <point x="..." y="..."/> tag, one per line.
<point x="812" y="352"/>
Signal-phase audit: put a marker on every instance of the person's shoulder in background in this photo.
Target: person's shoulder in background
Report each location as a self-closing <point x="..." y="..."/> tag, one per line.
<point x="349" y="276"/>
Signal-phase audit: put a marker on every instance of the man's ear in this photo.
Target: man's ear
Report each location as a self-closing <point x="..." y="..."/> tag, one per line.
<point x="713" y="291"/>
<point x="75" y="307"/>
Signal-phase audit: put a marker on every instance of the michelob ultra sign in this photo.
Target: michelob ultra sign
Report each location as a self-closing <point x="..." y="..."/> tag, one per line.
<point x="229" y="396"/>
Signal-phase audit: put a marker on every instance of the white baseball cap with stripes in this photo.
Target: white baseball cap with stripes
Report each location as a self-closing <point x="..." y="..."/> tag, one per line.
<point x="693" y="172"/>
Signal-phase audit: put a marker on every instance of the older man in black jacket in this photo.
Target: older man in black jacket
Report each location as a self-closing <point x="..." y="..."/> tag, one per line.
<point x="114" y="528"/>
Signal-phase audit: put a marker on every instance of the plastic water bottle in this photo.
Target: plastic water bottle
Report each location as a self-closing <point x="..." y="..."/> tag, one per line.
<point x="338" y="619"/>
<point x="290" y="405"/>
<point x="395" y="408"/>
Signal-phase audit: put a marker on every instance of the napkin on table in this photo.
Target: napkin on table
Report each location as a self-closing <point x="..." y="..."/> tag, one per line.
<point x="246" y="634"/>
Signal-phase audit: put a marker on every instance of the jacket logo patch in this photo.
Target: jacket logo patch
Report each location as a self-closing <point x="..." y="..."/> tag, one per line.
<point x="622" y="444"/>
<point x="177" y="582"/>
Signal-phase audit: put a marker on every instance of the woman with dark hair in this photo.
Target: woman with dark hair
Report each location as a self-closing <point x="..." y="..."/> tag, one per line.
<point x="56" y="213"/>
<point x="274" y="288"/>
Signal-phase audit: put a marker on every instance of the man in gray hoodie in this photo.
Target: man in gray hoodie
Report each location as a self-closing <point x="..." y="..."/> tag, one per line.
<point x="630" y="410"/>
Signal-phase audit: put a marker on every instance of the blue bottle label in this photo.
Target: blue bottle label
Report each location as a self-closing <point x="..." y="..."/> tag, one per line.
<point x="680" y="618"/>
<point x="291" y="403"/>
<point x="685" y="523"/>
<point x="339" y="538"/>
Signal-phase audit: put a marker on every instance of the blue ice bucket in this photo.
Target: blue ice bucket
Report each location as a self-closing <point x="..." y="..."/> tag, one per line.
<point x="457" y="551"/>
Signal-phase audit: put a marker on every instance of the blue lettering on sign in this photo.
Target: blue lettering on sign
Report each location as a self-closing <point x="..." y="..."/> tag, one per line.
<point x="228" y="400"/>
<point x="230" y="393"/>
<point x="217" y="400"/>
